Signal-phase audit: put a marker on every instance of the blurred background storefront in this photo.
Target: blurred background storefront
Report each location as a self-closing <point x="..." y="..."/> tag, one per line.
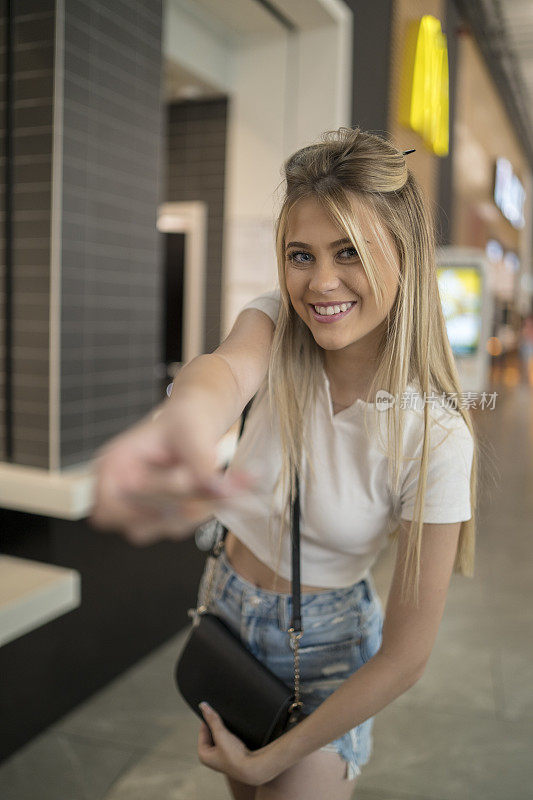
<point x="141" y="160"/>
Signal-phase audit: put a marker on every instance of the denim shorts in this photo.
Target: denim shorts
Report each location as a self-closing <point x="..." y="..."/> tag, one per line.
<point x="342" y="631"/>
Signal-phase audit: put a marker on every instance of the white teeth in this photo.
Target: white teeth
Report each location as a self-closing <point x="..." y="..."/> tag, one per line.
<point x="329" y="310"/>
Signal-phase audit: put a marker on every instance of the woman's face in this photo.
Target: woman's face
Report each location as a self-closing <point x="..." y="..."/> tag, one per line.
<point x="320" y="269"/>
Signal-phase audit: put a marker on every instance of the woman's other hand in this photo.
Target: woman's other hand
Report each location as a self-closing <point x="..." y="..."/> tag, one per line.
<point x="222" y="751"/>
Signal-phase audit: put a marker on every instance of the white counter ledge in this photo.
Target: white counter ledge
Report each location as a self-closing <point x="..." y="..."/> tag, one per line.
<point x="32" y="594"/>
<point x="67" y="494"/>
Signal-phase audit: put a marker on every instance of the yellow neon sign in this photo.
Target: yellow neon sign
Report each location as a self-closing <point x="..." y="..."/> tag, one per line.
<point x="424" y="103"/>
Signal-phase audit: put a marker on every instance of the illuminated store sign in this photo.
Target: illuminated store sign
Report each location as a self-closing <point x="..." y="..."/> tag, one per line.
<point x="423" y="105"/>
<point x="509" y="194"/>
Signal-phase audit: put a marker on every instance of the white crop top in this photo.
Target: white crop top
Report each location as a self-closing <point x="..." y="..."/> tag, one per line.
<point x="345" y="516"/>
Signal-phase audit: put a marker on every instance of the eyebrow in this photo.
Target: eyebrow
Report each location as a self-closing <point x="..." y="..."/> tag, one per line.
<point x="310" y="247"/>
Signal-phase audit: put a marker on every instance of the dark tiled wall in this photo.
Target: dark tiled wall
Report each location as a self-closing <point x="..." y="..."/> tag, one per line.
<point x="111" y="281"/>
<point x="33" y="59"/>
<point x="2" y="234"/>
<point x="110" y="264"/>
<point x="196" y="154"/>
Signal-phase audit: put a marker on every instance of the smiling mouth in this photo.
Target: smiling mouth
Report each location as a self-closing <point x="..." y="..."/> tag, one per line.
<point x="332" y="317"/>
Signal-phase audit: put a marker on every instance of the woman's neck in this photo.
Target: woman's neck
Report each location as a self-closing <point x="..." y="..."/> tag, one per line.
<point x="347" y="383"/>
<point x="350" y="370"/>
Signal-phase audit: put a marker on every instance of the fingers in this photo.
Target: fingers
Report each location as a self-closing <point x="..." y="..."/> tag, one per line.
<point x="123" y="504"/>
<point x="205" y="740"/>
<point x="167" y="484"/>
<point x="146" y="524"/>
<point x="211" y="724"/>
<point x="212" y="717"/>
<point x="142" y="536"/>
<point x="168" y="501"/>
<point x="178" y="485"/>
<point x="111" y="511"/>
<point x="147" y="533"/>
<point x="176" y="515"/>
<point x="139" y="495"/>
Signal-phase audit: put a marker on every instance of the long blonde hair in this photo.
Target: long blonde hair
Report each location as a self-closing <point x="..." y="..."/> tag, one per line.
<point x="414" y="348"/>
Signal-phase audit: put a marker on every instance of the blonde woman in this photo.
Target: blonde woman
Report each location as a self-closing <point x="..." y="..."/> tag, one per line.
<point x="354" y="385"/>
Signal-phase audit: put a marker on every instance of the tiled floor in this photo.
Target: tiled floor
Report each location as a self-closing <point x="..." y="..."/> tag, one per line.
<point x="463" y="732"/>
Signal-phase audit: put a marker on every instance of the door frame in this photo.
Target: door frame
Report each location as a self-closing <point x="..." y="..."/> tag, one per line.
<point x="190" y="218"/>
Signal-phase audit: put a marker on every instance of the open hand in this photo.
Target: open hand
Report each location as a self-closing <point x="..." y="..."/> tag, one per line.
<point x="159" y="480"/>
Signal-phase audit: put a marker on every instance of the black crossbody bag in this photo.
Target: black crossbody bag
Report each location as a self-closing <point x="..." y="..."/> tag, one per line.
<point x="216" y="666"/>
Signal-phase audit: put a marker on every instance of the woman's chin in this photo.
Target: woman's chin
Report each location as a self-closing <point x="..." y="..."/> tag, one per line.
<point x="327" y="343"/>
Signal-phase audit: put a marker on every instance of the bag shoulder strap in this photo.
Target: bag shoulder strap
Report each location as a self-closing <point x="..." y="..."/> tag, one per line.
<point x="244" y="414"/>
<point x="296" y="621"/>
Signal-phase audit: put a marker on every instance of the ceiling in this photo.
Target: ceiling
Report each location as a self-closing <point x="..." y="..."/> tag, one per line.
<point x="504" y="33"/>
<point x="503" y="30"/>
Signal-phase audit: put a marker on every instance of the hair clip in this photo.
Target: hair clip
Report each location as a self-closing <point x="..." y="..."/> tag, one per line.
<point x="406" y="152"/>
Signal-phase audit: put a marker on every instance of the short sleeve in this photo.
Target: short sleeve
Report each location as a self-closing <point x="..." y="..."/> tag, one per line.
<point x="447" y="497"/>
<point x="269" y="302"/>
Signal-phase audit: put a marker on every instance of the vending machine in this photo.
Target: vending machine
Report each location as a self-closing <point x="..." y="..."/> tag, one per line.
<point x="467" y="303"/>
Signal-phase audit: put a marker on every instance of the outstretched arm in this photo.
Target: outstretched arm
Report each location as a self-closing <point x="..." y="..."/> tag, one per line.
<point x="152" y="481"/>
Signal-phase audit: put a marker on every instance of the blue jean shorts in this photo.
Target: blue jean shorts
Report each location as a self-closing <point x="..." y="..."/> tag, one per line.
<point x="342" y="631"/>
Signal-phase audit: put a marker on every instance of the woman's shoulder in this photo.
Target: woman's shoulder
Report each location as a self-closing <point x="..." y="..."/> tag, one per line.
<point x="269" y="302"/>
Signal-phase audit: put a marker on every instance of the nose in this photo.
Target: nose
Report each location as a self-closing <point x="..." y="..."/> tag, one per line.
<point x="324" y="277"/>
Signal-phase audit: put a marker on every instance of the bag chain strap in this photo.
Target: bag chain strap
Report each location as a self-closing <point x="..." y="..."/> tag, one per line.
<point x="294" y="636"/>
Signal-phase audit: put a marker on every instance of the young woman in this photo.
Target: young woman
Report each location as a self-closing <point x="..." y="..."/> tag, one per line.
<point x="354" y="386"/>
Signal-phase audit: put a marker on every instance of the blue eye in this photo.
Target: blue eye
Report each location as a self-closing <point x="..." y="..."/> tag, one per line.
<point x="292" y="256"/>
<point x="352" y="249"/>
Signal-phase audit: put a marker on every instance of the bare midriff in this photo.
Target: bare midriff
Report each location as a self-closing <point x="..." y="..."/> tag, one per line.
<point x="252" y="569"/>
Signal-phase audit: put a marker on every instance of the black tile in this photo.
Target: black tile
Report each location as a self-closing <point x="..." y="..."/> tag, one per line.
<point x="26" y="230"/>
<point x="32" y="116"/>
<point x="24" y="7"/>
<point x="33" y="200"/>
<point x="34" y="86"/>
<point x="35" y="29"/>
<point x="35" y="283"/>
<point x="33" y="171"/>
<point x="31" y="257"/>
<point x="30" y="144"/>
<point x="31" y="453"/>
